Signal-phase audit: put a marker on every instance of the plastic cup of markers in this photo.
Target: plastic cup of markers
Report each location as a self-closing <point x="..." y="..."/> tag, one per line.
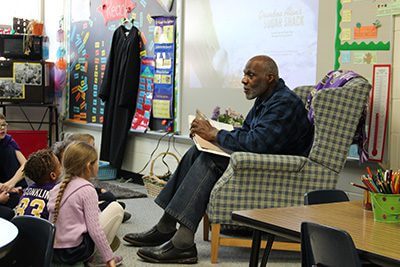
<point x="386" y="207"/>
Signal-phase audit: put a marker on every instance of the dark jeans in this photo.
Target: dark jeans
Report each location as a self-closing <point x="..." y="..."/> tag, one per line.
<point x="106" y="198"/>
<point x="9" y="164"/>
<point x="186" y="195"/>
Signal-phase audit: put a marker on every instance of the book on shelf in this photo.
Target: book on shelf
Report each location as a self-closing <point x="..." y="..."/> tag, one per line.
<point x="207" y="146"/>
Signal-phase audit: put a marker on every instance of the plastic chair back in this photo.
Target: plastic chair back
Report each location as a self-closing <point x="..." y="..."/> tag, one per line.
<point x="34" y="245"/>
<point x="327" y="246"/>
<point x="325" y="196"/>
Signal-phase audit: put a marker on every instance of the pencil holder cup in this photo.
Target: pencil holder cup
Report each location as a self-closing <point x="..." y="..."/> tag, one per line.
<point x="386" y="207"/>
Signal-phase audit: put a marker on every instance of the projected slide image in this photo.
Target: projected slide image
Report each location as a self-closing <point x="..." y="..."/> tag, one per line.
<point x="222" y="35"/>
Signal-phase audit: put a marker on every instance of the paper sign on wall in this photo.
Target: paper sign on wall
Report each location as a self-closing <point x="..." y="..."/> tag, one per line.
<point x="388" y="9"/>
<point x="164" y="53"/>
<point x="141" y="118"/>
<point x="345" y="57"/>
<point x="161" y="108"/>
<point x="364" y="57"/>
<point x="365" y="32"/>
<point x="346" y="15"/>
<point x="115" y="9"/>
<point x="346" y="34"/>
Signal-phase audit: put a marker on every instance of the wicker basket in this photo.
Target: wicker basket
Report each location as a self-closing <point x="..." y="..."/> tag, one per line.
<point x="154" y="183"/>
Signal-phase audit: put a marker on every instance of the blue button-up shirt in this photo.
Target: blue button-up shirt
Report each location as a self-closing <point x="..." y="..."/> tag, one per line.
<point x="275" y="125"/>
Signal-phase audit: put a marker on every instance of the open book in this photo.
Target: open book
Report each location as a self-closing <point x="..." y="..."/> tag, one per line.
<point x="211" y="147"/>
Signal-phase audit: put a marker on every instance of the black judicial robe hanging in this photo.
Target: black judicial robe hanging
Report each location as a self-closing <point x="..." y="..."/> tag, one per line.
<point x="119" y="92"/>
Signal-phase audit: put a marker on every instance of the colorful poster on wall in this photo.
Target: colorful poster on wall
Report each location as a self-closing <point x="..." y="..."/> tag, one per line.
<point x="80" y="34"/>
<point x="366" y="32"/>
<point x="100" y="59"/>
<point x="164" y="53"/>
<point x="141" y="118"/>
<point x="89" y="43"/>
<point x="388" y="9"/>
<point x="115" y="9"/>
<point x="360" y="31"/>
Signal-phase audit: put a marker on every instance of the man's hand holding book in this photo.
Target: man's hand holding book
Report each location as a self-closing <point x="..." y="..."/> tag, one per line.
<point x="202" y="127"/>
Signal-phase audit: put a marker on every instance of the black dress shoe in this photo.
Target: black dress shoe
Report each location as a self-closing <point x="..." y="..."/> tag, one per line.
<point x="167" y="253"/>
<point x="126" y="217"/>
<point x="151" y="238"/>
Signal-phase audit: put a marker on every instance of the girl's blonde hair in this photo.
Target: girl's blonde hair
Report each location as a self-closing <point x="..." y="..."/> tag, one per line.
<point x="84" y="137"/>
<point x="76" y="157"/>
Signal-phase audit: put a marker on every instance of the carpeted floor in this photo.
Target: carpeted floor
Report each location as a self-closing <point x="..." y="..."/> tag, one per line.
<point x="145" y="213"/>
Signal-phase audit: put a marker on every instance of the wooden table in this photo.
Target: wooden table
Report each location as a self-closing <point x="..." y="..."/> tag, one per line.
<point x="379" y="242"/>
<point x="8" y="234"/>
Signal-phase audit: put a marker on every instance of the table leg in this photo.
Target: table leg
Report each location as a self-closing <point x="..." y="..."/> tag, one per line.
<point x="50" y="126"/>
<point x="255" y="248"/>
<point x="267" y="251"/>
<point x="56" y="121"/>
<point x="27" y="119"/>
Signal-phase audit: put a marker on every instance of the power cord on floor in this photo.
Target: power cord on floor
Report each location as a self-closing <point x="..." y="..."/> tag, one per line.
<point x="151" y="156"/>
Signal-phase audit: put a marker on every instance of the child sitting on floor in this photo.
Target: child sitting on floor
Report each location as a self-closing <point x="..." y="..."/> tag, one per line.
<point x="73" y="208"/>
<point x="105" y="197"/>
<point x="11" y="176"/>
<point x="43" y="168"/>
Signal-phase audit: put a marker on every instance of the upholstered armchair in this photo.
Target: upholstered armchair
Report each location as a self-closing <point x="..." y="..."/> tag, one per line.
<point x="254" y="181"/>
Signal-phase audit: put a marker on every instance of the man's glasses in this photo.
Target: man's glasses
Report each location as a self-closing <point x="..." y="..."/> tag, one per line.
<point x="3" y="125"/>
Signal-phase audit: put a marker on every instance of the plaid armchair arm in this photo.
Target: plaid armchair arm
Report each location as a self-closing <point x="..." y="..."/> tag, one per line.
<point x="261" y="181"/>
<point x="266" y="162"/>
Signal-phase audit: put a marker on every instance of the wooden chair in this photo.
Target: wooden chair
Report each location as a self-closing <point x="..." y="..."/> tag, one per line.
<point x="254" y="181"/>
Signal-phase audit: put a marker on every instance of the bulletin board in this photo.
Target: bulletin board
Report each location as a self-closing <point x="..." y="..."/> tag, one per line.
<point x="363" y="38"/>
<point x="363" y="43"/>
<point x="90" y="37"/>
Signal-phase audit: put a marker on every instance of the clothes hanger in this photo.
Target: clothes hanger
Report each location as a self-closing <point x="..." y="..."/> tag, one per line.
<point x="128" y="23"/>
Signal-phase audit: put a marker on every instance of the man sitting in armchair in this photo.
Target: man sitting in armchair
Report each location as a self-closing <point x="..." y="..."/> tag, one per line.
<point x="276" y="124"/>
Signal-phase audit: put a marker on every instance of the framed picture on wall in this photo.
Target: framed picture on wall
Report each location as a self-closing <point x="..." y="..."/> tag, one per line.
<point x="28" y="73"/>
<point x="11" y="90"/>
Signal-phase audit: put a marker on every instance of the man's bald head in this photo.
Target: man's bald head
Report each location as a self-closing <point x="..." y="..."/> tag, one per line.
<point x="260" y="77"/>
<point x="269" y="65"/>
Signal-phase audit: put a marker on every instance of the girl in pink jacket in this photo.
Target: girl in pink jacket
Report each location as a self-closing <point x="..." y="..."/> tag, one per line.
<point x="73" y="208"/>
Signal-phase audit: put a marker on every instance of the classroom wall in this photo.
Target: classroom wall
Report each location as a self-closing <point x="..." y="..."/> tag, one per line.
<point x="394" y="117"/>
<point x="140" y="146"/>
<point x="326" y="37"/>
